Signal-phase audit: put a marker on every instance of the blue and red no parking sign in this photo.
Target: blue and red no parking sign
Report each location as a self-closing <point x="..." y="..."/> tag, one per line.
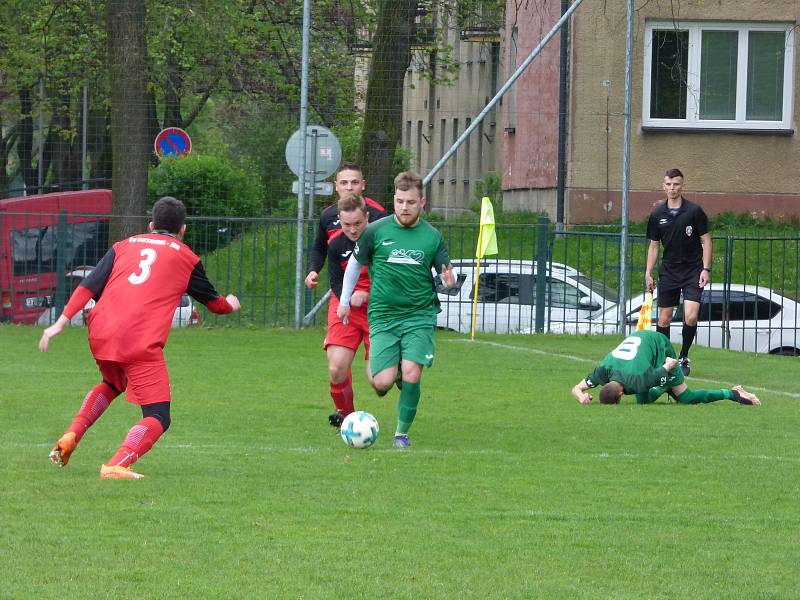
<point x="173" y="142"/>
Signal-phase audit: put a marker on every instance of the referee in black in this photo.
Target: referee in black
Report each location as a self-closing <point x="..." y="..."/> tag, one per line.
<point x="682" y="227"/>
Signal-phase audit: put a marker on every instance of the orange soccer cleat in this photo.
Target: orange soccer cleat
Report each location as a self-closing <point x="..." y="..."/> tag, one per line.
<point x="118" y="472"/>
<point x="63" y="449"/>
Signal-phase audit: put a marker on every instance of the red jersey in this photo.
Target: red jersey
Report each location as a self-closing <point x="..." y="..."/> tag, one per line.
<point x="138" y="285"/>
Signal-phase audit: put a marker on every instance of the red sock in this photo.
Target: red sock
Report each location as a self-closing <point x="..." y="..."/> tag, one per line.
<point x="139" y="440"/>
<point x="94" y="404"/>
<point x="342" y="394"/>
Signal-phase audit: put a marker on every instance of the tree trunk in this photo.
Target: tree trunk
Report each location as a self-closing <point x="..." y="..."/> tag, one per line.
<point x="130" y="145"/>
<point x="384" y="106"/>
<point x="25" y="143"/>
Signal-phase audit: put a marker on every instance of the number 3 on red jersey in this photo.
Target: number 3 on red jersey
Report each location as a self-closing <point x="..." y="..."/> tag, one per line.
<point x="148" y="258"/>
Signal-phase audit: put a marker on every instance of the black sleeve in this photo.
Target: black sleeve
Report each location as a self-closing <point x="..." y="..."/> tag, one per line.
<point x="98" y="277"/>
<point x="652" y="230"/>
<point x="200" y="288"/>
<point x="319" y="250"/>
<point x="701" y="221"/>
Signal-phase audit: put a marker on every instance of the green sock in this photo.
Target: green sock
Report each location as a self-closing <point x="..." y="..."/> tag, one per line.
<point x="407" y="406"/>
<point x="650" y="396"/>
<point x="704" y="396"/>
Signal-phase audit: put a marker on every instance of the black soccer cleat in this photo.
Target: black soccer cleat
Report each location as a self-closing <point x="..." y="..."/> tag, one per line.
<point x="335" y="420"/>
<point x="685" y="365"/>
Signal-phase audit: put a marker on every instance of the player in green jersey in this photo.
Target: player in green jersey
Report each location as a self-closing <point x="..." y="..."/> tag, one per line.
<point x="644" y="364"/>
<point x="401" y="250"/>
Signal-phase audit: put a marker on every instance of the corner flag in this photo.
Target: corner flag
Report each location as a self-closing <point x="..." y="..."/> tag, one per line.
<point x="487" y="239"/>
<point x="646" y="313"/>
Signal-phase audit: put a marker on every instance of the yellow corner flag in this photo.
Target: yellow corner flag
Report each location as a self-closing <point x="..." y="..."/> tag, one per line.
<point x="646" y="313"/>
<point x="487" y="239"/>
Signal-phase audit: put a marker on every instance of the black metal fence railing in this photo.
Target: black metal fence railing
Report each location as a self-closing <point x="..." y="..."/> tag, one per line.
<point x="751" y="303"/>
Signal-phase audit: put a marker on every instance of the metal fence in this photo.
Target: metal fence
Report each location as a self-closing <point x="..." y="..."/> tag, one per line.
<point x="750" y="304"/>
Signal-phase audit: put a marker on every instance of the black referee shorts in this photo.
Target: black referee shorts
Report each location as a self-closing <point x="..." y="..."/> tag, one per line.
<point x="676" y="278"/>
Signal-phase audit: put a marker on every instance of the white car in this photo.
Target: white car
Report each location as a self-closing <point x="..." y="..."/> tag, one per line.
<point x="735" y="316"/>
<point x="507" y="296"/>
<point x="185" y="313"/>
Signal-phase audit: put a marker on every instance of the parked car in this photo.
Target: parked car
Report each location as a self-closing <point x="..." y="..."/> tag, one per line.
<point x="507" y="296"/>
<point x="185" y="313"/>
<point x="736" y="316"/>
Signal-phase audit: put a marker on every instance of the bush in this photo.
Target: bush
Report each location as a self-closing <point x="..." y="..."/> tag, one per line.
<point x="208" y="186"/>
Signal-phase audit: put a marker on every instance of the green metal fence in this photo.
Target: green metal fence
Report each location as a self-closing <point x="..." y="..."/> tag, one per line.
<point x="752" y="295"/>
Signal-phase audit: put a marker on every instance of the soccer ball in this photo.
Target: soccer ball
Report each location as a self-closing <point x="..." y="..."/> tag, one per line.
<point x="359" y="429"/>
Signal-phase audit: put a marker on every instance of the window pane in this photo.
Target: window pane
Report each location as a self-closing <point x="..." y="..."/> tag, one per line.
<point x="718" y="74"/>
<point x="668" y="74"/>
<point x="765" y="75"/>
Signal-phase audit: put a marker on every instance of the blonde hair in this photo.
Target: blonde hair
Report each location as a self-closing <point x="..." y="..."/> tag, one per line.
<point x="350" y="202"/>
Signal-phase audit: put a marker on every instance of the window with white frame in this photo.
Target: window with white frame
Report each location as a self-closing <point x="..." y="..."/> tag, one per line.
<point x="704" y="75"/>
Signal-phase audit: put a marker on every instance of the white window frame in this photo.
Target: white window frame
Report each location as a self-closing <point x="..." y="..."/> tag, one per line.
<point x="692" y="120"/>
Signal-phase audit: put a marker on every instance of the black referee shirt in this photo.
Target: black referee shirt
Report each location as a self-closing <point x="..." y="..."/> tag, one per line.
<point x="679" y="231"/>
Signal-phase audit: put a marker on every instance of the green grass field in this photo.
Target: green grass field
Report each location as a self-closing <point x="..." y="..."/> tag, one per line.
<point x="510" y="490"/>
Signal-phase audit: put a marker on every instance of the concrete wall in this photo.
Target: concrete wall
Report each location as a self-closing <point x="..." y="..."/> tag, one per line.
<point x="743" y="172"/>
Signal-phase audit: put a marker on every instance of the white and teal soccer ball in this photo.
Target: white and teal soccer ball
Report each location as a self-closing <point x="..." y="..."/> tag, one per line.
<point x="359" y="429"/>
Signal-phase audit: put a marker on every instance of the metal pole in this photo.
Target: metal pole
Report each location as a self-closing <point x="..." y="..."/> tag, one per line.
<point x="486" y="109"/>
<point x="310" y="226"/>
<point x="626" y="170"/>
<point x="40" y="179"/>
<point x="298" y="267"/>
<point x="84" y="165"/>
<point x="563" y="107"/>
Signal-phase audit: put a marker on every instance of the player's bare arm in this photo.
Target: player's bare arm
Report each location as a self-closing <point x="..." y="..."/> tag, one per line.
<point x="51" y="332"/>
<point x="359" y="298"/>
<point x="652" y="256"/>
<point x="580" y="393"/>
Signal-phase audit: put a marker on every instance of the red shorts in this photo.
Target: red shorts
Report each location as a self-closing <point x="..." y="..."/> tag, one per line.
<point x="142" y="382"/>
<point x="350" y="335"/>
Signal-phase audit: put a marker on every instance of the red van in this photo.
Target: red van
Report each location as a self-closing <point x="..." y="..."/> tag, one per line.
<point x="29" y="230"/>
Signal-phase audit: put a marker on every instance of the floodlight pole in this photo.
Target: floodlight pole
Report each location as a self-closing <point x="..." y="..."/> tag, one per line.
<point x="298" y="267"/>
<point x="626" y="171"/>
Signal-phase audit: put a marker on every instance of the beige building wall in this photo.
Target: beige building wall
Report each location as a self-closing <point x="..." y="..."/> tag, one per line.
<point x="434" y="116"/>
<point x="743" y="172"/>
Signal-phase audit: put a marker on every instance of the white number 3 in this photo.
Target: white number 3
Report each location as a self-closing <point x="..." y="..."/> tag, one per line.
<point x="148" y="258"/>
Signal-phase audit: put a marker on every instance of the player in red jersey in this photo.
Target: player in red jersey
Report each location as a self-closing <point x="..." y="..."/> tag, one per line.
<point x="342" y="341"/>
<point x="137" y="285"/>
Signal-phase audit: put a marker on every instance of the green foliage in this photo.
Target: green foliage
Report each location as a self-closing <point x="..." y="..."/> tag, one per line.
<point x="511" y="489"/>
<point x="490" y="185"/>
<point x="208" y="186"/>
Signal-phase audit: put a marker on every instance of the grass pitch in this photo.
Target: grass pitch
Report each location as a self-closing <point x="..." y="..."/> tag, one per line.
<point x="510" y="490"/>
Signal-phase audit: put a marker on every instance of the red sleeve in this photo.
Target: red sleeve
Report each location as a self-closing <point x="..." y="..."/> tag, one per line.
<point x="219" y="305"/>
<point x="77" y="301"/>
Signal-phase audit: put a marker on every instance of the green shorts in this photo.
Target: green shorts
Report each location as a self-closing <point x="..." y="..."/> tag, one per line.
<point x="411" y="340"/>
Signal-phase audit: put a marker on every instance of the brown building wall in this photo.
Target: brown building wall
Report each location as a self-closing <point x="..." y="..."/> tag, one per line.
<point x="743" y="172"/>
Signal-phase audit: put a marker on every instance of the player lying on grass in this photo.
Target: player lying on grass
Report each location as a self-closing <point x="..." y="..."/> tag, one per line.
<point x="137" y="285"/>
<point x="644" y="365"/>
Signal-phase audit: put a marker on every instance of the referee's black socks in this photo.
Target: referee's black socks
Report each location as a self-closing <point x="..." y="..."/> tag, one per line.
<point x="663" y="330"/>
<point x="689" y="332"/>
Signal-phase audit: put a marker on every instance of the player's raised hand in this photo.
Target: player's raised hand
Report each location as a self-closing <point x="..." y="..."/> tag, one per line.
<point x="669" y="364"/>
<point x="233" y="301"/>
<point x="448" y="276"/>
<point x="311" y="279"/>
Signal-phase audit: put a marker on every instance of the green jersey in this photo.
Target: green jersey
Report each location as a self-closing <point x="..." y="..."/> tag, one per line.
<point x="637" y="363"/>
<point x="400" y="261"/>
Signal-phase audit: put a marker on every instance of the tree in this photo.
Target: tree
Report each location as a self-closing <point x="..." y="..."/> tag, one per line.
<point x="384" y="107"/>
<point x="129" y="138"/>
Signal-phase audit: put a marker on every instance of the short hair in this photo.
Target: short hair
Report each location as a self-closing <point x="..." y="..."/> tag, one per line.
<point x="672" y="173"/>
<point x="350" y="202"/>
<point x="169" y="214"/>
<point x="407" y="180"/>
<point x="348" y="166"/>
<point x="609" y="393"/>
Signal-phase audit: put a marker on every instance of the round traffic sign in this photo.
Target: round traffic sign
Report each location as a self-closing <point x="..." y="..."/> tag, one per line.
<point x="173" y="142"/>
<point x="323" y="153"/>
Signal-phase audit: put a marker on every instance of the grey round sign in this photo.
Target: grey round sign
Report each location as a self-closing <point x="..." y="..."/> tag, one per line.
<point x="323" y="153"/>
